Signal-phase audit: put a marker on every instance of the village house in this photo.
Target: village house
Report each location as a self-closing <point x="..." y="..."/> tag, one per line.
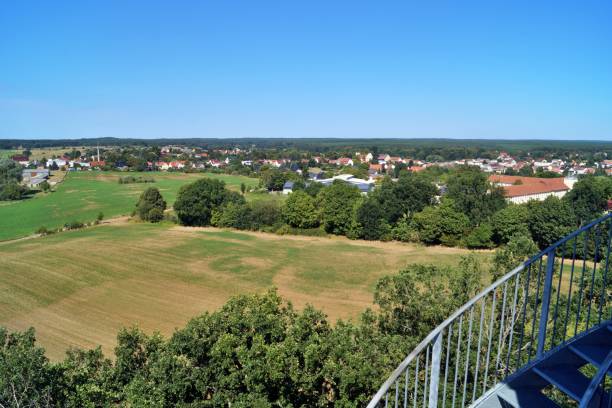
<point x="97" y="164"/>
<point x="518" y="189"/>
<point x="58" y="162"/>
<point x="315" y="173"/>
<point x="174" y="165"/>
<point x="274" y="162"/>
<point x="376" y="169"/>
<point x="23" y="160"/>
<point x="368" y="158"/>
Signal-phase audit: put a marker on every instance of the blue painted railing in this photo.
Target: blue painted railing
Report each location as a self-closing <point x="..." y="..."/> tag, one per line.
<point x="526" y="315"/>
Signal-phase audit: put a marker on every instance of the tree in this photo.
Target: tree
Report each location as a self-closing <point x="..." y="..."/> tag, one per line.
<point x="589" y="197"/>
<point x="337" y="205"/>
<point x="510" y="221"/>
<point x="526" y="171"/>
<point x="265" y="213"/>
<point x="520" y="246"/>
<point x="10" y="171"/>
<point x="416" y="300"/>
<point x="196" y="201"/>
<point x="235" y="215"/>
<point x="473" y="195"/>
<point x="274" y="179"/>
<point x="550" y="220"/>
<point x="87" y="379"/>
<point x="410" y="194"/>
<point x="12" y="191"/>
<point x="371" y="220"/>
<point x="300" y="210"/>
<point x="313" y="188"/>
<point x="151" y="205"/>
<point x="25" y="375"/>
<point x="242" y="188"/>
<point x="480" y="237"/>
<point x="441" y="224"/>
<point x="10" y="177"/>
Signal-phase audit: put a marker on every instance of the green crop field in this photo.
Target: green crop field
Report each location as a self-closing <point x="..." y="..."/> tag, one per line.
<point x="80" y="287"/>
<point x="83" y="195"/>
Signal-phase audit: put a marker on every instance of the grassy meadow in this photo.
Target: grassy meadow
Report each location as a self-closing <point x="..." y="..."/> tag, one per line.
<point x="82" y="195"/>
<point x="78" y="288"/>
<point x="5" y="154"/>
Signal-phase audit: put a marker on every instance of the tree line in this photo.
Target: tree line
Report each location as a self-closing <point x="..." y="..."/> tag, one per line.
<point x="470" y="213"/>
<point x="10" y="181"/>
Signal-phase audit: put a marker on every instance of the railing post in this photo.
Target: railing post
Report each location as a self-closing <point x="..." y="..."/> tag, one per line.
<point x="436" y="356"/>
<point x="550" y="266"/>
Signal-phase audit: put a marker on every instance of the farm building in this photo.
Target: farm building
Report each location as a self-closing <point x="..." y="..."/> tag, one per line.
<point x="33" y="177"/>
<point x="518" y="189"/>
<point x="364" y="186"/>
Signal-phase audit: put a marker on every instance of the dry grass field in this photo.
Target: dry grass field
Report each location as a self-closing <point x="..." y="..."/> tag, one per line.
<point x="79" y="288"/>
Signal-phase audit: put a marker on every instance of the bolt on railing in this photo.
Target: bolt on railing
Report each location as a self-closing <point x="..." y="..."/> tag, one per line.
<point x="559" y="294"/>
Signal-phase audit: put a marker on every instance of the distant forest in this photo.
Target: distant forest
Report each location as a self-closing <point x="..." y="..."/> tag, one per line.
<point x="449" y="149"/>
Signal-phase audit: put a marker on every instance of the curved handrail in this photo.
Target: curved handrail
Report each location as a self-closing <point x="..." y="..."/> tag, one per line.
<point x="596" y="382"/>
<point x="434" y="338"/>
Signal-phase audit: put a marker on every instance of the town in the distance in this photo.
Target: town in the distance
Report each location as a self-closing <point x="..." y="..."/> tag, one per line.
<point x="523" y="176"/>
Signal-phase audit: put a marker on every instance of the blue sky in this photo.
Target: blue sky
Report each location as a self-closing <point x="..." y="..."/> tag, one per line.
<point x="403" y="69"/>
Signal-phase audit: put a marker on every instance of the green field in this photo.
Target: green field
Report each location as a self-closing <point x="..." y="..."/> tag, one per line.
<point x="5" y="154"/>
<point x="80" y="287"/>
<point x="85" y="194"/>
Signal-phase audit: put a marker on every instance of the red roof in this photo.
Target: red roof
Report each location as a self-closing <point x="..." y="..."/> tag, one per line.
<point x="524" y="186"/>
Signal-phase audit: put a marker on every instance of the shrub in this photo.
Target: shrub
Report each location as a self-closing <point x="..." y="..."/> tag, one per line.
<point x="265" y="213"/>
<point x="132" y="179"/>
<point x="100" y="216"/>
<point x="405" y="232"/>
<point x="73" y="225"/>
<point x="42" y="230"/>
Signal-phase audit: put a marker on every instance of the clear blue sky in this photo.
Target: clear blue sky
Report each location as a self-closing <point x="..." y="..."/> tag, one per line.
<point x="490" y="69"/>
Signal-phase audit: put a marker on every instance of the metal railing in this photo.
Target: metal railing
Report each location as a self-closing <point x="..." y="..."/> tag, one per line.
<point x="559" y="294"/>
<point x="595" y="385"/>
